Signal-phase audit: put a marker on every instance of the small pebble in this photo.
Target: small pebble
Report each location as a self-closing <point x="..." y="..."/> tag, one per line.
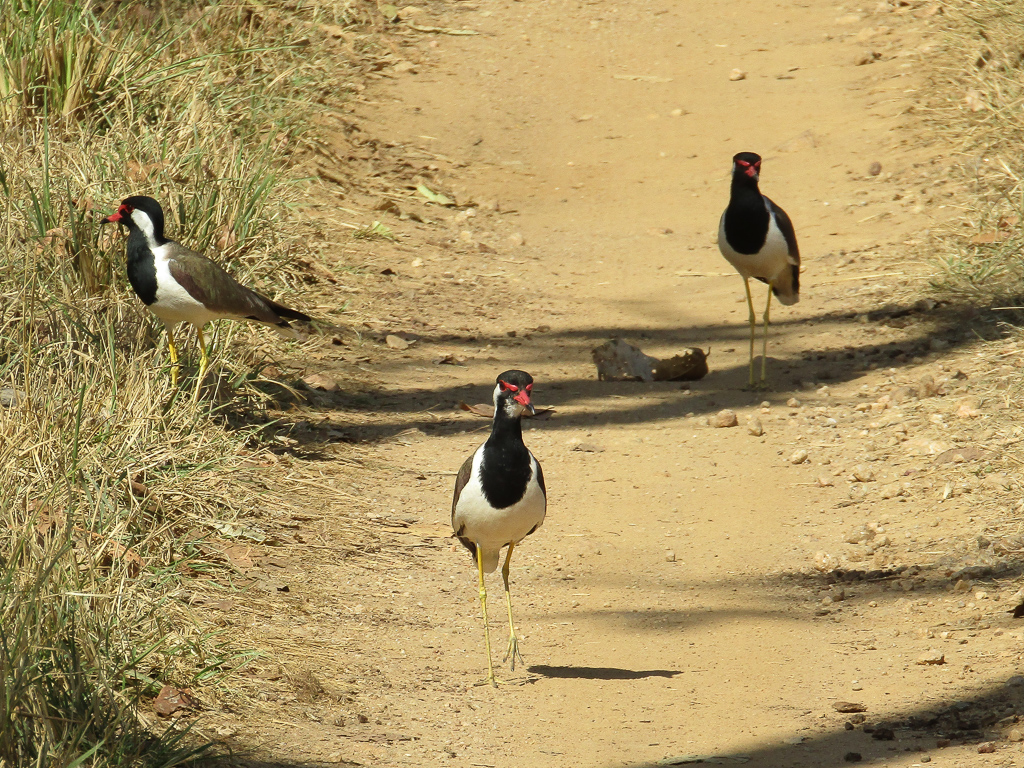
<point x="848" y="706"/>
<point x="670" y="556"/>
<point x="792" y="403"/>
<point x="754" y="427"/>
<point x="724" y="418"/>
<point x="932" y="656"/>
<point x="863" y="475"/>
<point x="852" y="757"/>
<point x="987" y="748"/>
<point x="875" y="168"/>
<point x="799" y="456"/>
<point x="738" y="74"/>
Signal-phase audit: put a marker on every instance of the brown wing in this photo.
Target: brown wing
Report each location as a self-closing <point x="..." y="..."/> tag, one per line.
<point x="460" y="482"/>
<point x="207" y="282"/>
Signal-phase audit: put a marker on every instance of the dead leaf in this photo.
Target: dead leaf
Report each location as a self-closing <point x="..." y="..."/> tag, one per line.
<point x="239" y="555"/>
<point x="118" y="552"/>
<point x="588" y="448"/>
<point x="443" y="30"/>
<point x="388" y="206"/>
<point x="319" y="381"/>
<point x="234" y="531"/>
<point x="487" y="411"/>
<point x="957" y="455"/>
<point x="171" y="700"/>
<point x="434" y="197"/>
<point x="450" y="359"/>
<point x="985" y="238"/>
<point x="226" y="237"/>
<point x="396" y="342"/>
<point x="848" y="707"/>
<point x="692" y="365"/>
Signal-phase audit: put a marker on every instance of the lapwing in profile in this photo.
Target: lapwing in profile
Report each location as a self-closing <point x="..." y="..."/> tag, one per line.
<point x="757" y="238"/>
<point x="500" y="497"/>
<point x="182" y="286"/>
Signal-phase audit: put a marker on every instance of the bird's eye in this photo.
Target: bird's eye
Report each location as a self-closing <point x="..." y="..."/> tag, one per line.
<point x="508" y="387"/>
<point x="529" y="387"/>
<point x="743" y="163"/>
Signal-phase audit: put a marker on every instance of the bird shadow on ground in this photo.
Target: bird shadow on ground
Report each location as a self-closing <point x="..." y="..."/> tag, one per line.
<point x="598" y="673"/>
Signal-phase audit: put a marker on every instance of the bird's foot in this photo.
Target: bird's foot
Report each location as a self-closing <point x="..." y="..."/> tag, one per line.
<point x="490" y="680"/>
<point x="512" y="653"/>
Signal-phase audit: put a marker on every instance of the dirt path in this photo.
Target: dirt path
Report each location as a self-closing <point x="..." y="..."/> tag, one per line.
<point x="669" y="606"/>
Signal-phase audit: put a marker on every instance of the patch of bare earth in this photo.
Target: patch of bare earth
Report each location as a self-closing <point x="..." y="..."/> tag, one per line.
<point x="734" y="593"/>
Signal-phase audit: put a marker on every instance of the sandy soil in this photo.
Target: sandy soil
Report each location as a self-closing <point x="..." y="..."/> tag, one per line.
<point x="696" y="591"/>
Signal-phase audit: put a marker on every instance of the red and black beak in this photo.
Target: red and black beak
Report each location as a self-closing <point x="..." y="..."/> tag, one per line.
<point x="523" y="398"/>
<point x="118" y="215"/>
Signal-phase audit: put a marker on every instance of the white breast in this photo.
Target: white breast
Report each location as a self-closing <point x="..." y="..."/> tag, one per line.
<point x="768" y="263"/>
<point x="490" y="528"/>
<point x="173" y="303"/>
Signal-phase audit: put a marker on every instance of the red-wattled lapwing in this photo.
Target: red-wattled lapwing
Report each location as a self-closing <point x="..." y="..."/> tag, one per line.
<point x="500" y="497"/>
<point x="182" y="286"/>
<point x="757" y="238"/>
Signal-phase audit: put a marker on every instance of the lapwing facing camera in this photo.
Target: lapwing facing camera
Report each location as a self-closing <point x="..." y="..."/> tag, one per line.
<point x="757" y="238"/>
<point x="500" y="497"/>
<point x="182" y="286"/>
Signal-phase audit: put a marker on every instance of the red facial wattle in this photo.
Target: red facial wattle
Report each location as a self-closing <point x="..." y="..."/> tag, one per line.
<point x="121" y="212"/>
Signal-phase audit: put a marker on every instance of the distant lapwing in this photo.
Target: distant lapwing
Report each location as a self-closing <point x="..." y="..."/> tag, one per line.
<point x="182" y="286"/>
<point x="757" y="238"/>
<point x="500" y="497"/>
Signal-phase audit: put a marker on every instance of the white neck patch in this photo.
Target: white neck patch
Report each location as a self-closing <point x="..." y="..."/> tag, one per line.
<point x="145" y="224"/>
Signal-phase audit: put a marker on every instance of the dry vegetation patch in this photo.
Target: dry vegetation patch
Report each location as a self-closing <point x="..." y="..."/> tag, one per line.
<point x="974" y="104"/>
<point x="120" y="504"/>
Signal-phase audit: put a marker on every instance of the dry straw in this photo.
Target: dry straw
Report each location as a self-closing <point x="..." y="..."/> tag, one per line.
<point x="976" y="104"/>
<point x="109" y="480"/>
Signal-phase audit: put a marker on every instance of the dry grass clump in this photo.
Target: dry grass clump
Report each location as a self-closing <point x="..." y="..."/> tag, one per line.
<point x="108" y="478"/>
<point x="977" y="103"/>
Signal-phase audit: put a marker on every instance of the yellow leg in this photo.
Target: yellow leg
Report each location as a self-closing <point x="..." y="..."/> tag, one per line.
<point x="173" y="350"/>
<point x="483" y="608"/>
<point x="513" y="642"/>
<point x="204" y="363"/>
<point x="764" y="348"/>
<point x="753" y="328"/>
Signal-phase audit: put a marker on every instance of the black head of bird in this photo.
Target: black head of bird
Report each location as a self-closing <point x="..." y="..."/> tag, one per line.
<point x="512" y="394"/>
<point x="140" y="213"/>
<point x="748" y="164"/>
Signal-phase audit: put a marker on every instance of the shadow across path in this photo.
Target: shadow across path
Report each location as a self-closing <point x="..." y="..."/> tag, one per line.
<point x="598" y="673"/>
